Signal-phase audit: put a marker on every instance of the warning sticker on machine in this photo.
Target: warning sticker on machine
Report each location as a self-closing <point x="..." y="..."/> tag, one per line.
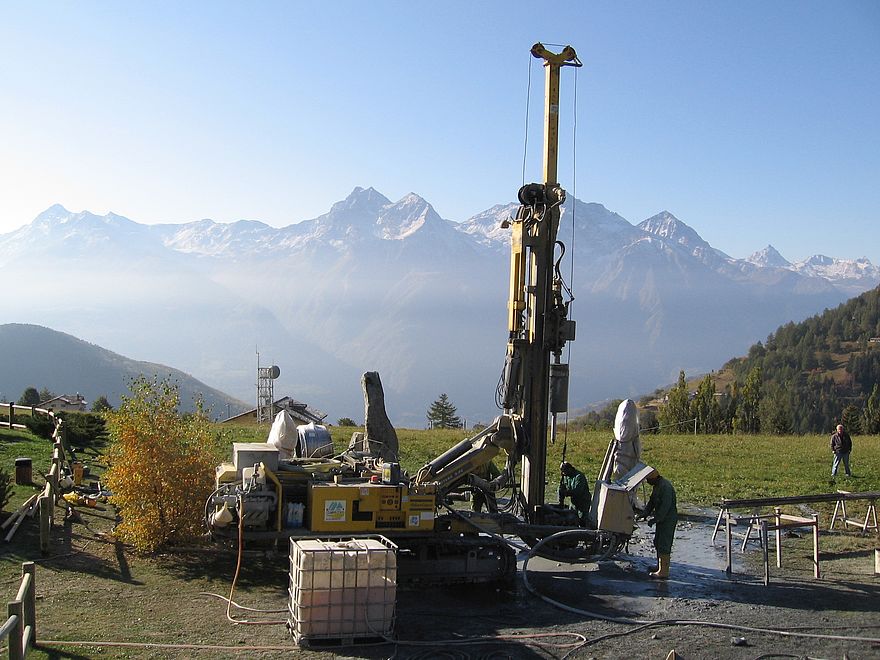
<point x="334" y="511"/>
<point x="414" y="520"/>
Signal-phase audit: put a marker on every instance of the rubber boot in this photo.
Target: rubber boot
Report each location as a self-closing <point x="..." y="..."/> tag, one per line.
<point x="662" y="571"/>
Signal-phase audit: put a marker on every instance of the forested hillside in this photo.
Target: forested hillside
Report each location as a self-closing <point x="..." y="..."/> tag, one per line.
<point x="805" y="378"/>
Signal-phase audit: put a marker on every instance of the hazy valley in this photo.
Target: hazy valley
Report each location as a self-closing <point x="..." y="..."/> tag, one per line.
<point x="393" y="287"/>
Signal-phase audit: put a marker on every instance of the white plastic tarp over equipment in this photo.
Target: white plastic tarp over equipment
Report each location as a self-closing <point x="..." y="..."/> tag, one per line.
<point x="627" y="445"/>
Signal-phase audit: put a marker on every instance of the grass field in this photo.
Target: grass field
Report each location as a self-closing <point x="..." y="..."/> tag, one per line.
<point x="15" y="444"/>
<point x="92" y="587"/>
<point x="703" y="468"/>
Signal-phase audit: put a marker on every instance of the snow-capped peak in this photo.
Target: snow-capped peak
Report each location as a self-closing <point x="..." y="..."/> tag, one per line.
<point x="367" y="199"/>
<point x="667" y="226"/>
<point x="411" y="213"/>
<point x="834" y="269"/>
<point x="769" y="257"/>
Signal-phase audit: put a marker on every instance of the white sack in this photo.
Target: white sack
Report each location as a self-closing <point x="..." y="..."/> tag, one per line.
<point x="283" y="435"/>
<point x="627" y="445"/>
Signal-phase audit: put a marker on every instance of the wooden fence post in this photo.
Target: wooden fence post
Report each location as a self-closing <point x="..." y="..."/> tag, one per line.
<point x="15" y="651"/>
<point x="11" y="413"/>
<point x="46" y="505"/>
<point x="777" y="522"/>
<point x="29" y="568"/>
<point x="764" y="539"/>
<point x="729" y="569"/>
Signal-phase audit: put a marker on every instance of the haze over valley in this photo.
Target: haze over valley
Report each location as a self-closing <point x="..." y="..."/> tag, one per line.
<point x="390" y="286"/>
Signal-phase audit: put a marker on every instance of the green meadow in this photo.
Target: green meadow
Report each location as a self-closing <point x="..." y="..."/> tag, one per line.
<point x="703" y="468"/>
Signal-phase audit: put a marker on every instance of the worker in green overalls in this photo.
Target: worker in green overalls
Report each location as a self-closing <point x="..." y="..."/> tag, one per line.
<point x="573" y="484"/>
<point x="485" y="496"/>
<point x="665" y="516"/>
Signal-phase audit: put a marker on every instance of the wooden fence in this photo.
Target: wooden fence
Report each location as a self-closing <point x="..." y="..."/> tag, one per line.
<point x="20" y="627"/>
<point x="47" y="500"/>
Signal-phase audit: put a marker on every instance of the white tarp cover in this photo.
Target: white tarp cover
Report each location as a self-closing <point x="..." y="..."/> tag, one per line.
<point x="283" y="435"/>
<point x="627" y="446"/>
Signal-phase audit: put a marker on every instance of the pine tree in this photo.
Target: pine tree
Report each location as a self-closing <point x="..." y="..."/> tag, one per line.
<point x="101" y="405"/>
<point x="677" y="409"/>
<point x="747" y="419"/>
<point x="704" y="407"/>
<point x="441" y="414"/>
<point x="871" y="415"/>
<point x="851" y="419"/>
<point x="30" y="397"/>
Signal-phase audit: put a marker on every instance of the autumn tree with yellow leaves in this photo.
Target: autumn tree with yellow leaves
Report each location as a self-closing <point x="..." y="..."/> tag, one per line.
<point x="161" y="466"/>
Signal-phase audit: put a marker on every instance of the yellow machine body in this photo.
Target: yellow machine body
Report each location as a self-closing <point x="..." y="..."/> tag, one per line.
<point x="368" y="507"/>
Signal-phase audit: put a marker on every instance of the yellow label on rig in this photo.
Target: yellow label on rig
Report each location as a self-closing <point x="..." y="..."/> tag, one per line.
<point x="345" y="508"/>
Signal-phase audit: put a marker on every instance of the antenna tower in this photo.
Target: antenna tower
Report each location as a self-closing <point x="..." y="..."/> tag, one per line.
<point x="266" y="391"/>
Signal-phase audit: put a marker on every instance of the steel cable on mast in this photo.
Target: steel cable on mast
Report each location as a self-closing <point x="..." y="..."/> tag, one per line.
<point x="526" y="131"/>
<point x="573" y="234"/>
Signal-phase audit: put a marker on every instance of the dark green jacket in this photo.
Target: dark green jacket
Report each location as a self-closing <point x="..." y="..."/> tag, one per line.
<point x="662" y="505"/>
<point x="578" y="490"/>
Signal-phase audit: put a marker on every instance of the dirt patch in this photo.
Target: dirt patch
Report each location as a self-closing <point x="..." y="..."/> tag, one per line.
<point x="95" y="590"/>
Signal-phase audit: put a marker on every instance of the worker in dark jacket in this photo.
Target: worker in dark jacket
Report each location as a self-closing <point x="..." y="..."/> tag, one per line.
<point x="841" y="445"/>
<point x="574" y="484"/>
<point x="662" y="512"/>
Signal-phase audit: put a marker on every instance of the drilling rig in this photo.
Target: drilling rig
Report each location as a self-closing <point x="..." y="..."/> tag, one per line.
<point x="313" y="493"/>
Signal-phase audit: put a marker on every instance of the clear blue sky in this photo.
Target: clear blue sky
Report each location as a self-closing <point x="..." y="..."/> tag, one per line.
<point x="754" y="122"/>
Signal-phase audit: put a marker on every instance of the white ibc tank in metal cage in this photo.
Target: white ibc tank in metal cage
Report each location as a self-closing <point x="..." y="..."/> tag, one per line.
<point x="342" y="588"/>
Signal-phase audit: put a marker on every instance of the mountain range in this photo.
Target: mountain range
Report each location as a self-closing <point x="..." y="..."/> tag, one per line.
<point x="376" y="285"/>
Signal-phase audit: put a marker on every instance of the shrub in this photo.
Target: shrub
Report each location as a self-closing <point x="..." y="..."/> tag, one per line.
<point x="161" y="467"/>
<point x="84" y="429"/>
<point x="41" y="426"/>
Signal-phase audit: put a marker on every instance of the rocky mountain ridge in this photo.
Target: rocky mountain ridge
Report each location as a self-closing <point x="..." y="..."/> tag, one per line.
<point x="391" y="286"/>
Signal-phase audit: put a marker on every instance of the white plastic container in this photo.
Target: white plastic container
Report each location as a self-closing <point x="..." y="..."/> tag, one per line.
<point x="342" y="588"/>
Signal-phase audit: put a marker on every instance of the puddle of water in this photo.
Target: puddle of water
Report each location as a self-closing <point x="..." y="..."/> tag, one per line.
<point x="622" y="586"/>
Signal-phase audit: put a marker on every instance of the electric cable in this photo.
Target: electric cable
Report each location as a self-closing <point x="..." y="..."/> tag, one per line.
<point x="241" y="607"/>
<point x="229" y="600"/>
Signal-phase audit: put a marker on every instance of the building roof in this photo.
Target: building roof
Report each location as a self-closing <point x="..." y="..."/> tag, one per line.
<point x="300" y="411"/>
<point x="64" y="400"/>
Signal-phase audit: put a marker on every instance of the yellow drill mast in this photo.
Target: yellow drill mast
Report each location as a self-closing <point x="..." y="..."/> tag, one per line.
<point x="537" y="321"/>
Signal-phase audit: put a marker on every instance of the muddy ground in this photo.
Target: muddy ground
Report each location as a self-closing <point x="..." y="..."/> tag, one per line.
<point x="95" y="591"/>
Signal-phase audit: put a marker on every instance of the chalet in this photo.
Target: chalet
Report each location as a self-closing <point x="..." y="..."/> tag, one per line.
<point x="301" y="413"/>
<point x="65" y="402"/>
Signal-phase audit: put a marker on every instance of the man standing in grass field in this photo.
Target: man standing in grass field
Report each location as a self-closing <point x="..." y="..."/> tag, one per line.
<point x="841" y="445"/>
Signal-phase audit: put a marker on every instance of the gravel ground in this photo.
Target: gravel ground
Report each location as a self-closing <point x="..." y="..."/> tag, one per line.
<point x="93" y="589"/>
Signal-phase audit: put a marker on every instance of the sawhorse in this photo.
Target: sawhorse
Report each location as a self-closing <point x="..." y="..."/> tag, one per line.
<point x="864" y="525"/>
